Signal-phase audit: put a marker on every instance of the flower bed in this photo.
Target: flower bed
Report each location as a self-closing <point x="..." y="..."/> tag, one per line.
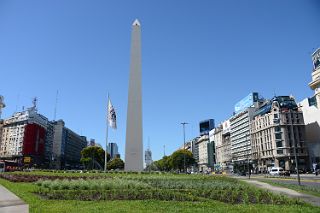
<point x="226" y="190"/>
<point x="33" y="178"/>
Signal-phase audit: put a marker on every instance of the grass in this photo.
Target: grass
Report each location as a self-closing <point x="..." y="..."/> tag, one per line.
<point x="38" y="204"/>
<point x="312" y="190"/>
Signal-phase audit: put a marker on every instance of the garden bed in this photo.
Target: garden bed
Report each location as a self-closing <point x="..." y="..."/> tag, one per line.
<point x="33" y="178"/>
<point x="173" y="188"/>
<point x="139" y="200"/>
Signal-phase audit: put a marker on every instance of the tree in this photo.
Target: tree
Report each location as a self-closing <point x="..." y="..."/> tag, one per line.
<point x="158" y="164"/>
<point x="92" y="157"/>
<point x="152" y="167"/>
<point x="164" y="164"/>
<point x="177" y="159"/>
<point x="115" y="163"/>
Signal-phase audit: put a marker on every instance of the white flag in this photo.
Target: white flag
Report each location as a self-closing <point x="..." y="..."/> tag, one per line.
<point x="112" y="118"/>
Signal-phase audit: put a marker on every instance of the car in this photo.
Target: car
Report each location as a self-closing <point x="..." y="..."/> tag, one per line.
<point x="286" y="173"/>
<point x="276" y="171"/>
<point x="241" y="173"/>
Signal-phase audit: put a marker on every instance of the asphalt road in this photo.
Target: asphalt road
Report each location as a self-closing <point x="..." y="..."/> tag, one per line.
<point x="307" y="180"/>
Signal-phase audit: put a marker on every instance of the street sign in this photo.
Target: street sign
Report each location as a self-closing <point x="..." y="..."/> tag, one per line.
<point x="27" y="159"/>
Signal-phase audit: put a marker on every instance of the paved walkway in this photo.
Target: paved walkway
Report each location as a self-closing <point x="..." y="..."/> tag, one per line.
<point x="10" y="203"/>
<point x="314" y="200"/>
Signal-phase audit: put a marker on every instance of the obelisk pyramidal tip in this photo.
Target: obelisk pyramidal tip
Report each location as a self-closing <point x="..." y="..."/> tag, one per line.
<point x="136" y="22"/>
<point x="134" y="144"/>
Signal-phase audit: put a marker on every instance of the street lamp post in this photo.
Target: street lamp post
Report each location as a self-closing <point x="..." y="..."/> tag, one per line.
<point x="248" y="155"/>
<point x="248" y="164"/>
<point x="296" y="161"/>
<point x="184" y="146"/>
<point x="295" y="155"/>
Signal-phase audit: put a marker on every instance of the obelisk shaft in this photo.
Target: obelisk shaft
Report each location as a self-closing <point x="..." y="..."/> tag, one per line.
<point x="134" y="144"/>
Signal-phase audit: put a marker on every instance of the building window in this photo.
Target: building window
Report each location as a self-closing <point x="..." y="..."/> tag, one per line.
<point x="278" y="135"/>
<point x="279" y="143"/>
<point x="279" y="151"/>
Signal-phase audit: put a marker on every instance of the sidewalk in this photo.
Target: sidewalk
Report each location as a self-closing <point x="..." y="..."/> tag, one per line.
<point x="314" y="200"/>
<point x="10" y="203"/>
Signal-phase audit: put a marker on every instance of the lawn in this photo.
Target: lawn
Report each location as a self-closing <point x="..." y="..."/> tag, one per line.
<point x="148" y="193"/>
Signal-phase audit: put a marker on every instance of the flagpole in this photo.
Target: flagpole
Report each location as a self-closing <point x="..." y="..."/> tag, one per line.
<point x="105" y="153"/>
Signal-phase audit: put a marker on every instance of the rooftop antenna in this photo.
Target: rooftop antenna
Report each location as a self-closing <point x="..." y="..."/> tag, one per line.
<point x="34" y="103"/>
<point x="291" y="96"/>
<point x="148" y="143"/>
<point x="55" y="106"/>
<point x="17" y="105"/>
<point x="2" y="104"/>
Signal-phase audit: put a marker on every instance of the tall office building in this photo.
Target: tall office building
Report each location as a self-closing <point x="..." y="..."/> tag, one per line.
<point x="240" y="128"/>
<point x="92" y="142"/>
<point x="67" y="147"/>
<point x="113" y="150"/>
<point x="2" y="105"/>
<point x="193" y="147"/>
<point x="206" y="126"/>
<point x="148" y="157"/>
<point x="134" y="143"/>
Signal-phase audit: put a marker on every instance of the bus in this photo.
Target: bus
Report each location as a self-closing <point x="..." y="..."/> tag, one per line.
<point x="9" y="166"/>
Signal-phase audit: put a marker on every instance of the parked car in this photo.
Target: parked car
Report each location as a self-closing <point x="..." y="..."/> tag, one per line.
<point x="286" y="173"/>
<point x="241" y="173"/>
<point x="276" y="171"/>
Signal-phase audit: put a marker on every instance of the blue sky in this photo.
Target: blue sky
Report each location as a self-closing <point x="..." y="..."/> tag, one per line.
<point x="198" y="59"/>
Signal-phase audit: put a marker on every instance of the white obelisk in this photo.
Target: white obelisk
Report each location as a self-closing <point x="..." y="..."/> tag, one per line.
<point x="134" y="144"/>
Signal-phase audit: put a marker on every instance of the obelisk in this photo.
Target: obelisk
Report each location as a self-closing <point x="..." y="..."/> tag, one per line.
<point x="134" y="144"/>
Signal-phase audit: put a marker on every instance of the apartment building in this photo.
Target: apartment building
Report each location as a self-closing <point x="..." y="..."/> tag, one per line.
<point x="311" y="113"/>
<point x="221" y="138"/>
<point x="202" y="145"/>
<point x="277" y="132"/>
<point x="24" y="138"/>
<point x="240" y="135"/>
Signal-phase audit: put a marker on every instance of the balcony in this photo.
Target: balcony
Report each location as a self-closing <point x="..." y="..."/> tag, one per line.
<point x="316" y="82"/>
